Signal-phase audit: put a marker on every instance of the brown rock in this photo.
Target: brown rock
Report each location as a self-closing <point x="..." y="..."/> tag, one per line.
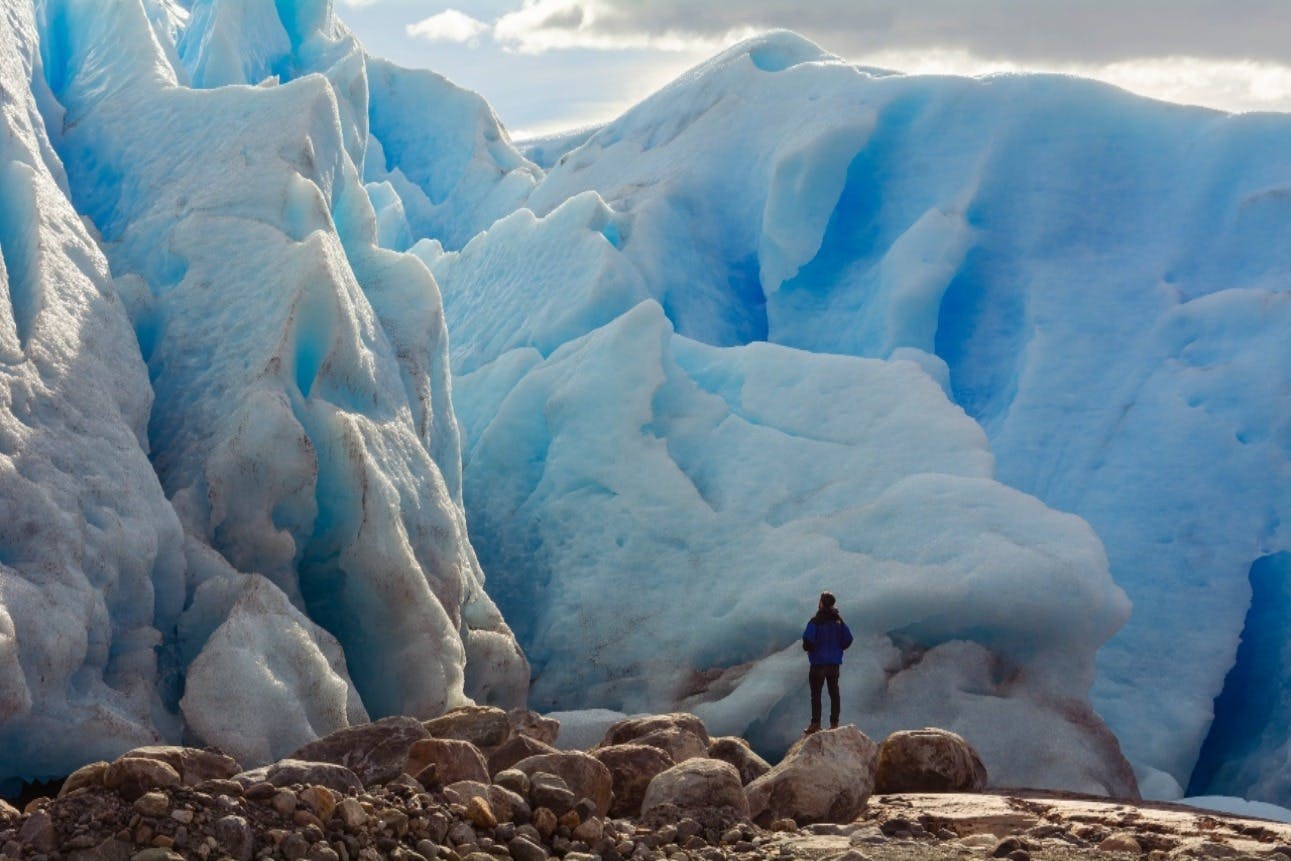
<point x="683" y="735"/>
<point x="505" y="803"/>
<point x="454" y="760"/>
<point x="376" y="752"/>
<point x="320" y="800"/>
<point x="696" y="788"/>
<point x="737" y="752"/>
<point x="584" y="774"/>
<point x="289" y="771"/>
<point x="193" y="764"/>
<point x="1120" y="843"/>
<point x="152" y="804"/>
<point x="825" y="777"/>
<point x="352" y="814"/>
<point x="482" y="726"/>
<point x="132" y="777"/>
<point x="632" y="767"/>
<point x="480" y="813"/>
<point x="589" y="831"/>
<point x="545" y="821"/>
<point x="284" y="802"/>
<point x="928" y="760"/>
<point x="515" y="749"/>
<point x="38" y="832"/>
<point x="569" y="820"/>
<point x="8" y="811"/>
<point x="533" y="725"/>
<point x="87" y="776"/>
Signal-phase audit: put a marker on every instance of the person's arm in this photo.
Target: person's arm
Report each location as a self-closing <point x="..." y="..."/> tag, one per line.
<point x="847" y="636"/>
<point x="809" y="637"/>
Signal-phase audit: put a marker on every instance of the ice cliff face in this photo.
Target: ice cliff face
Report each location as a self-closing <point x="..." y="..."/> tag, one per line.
<point x="233" y="471"/>
<point x="1097" y="279"/>
<point x="970" y="353"/>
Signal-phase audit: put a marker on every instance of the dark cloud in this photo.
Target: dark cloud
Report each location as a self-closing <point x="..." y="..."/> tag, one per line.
<point x="1092" y="31"/>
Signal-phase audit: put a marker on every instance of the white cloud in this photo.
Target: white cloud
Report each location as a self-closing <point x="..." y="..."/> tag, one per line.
<point x="359" y="4"/>
<point x="539" y="26"/>
<point x="448" y="26"/>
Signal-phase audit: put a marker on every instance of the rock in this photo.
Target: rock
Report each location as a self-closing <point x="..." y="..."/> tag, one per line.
<point x="453" y="759"/>
<point x="514" y="780"/>
<point x="824" y="777"/>
<point x="522" y="849"/>
<point x="928" y="760"/>
<point x="38" y="832"/>
<point x="152" y="804"/>
<point x="131" y="778"/>
<point x="737" y="752"/>
<point x="589" y="831"/>
<point x="1019" y="855"/>
<point x="683" y="735"/>
<point x="586" y="776"/>
<point x="464" y="790"/>
<point x="376" y="752"/>
<point x="157" y="854"/>
<point x="320" y="800"/>
<point x="8" y="811"/>
<point x="288" y="771"/>
<point x="632" y="767"/>
<point x="234" y="835"/>
<point x="532" y="725"/>
<point x="545" y="821"/>
<point x="352" y="814"/>
<point x="87" y="776"/>
<point x="551" y="791"/>
<point x="696" y="788"/>
<point x="1120" y="843"/>
<point x="193" y="764"/>
<point x="228" y="788"/>
<point x="482" y="726"/>
<point x="284" y="802"/>
<point x="515" y="749"/>
<point x="1005" y="846"/>
<point x="480" y="813"/>
<point x="111" y="849"/>
<point x="507" y="804"/>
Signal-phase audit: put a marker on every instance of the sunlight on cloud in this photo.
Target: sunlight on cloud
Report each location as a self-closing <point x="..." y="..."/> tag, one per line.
<point x="550" y="25"/>
<point x="1228" y="85"/>
<point x="448" y="26"/>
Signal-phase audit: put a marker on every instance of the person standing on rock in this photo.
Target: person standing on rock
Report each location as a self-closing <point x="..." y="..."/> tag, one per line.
<point x="825" y="639"/>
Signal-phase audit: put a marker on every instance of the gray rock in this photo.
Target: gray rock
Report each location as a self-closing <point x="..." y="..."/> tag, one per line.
<point x="550" y="791"/>
<point x="522" y="849"/>
<point x="699" y="788"/>
<point x="376" y="752"/>
<point x="38" y="832"/>
<point x="288" y="771"/>
<point x="632" y="767"/>
<point x="586" y="776"/>
<point x="682" y="735"/>
<point x="825" y="777"/>
<point x="737" y="752"/>
<point x="235" y="837"/>
<point x="928" y="760"/>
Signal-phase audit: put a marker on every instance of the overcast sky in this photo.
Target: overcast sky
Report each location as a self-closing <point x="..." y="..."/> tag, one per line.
<point x="552" y="64"/>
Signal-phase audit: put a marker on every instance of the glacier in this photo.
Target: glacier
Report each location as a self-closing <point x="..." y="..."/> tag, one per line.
<point x="300" y="346"/>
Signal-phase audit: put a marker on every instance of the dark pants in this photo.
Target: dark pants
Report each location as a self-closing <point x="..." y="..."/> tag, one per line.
<point x="819" y="675"/>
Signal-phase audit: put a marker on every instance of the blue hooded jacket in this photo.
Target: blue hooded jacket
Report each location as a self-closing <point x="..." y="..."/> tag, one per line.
<point x="826" y="637"/>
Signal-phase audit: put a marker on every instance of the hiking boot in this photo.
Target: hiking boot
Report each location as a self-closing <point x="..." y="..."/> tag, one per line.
<point x="833" y="724"/>
<point x="811" y="728"/>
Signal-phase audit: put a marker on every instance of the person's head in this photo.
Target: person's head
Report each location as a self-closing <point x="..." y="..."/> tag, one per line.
<point x="826" y="600"/>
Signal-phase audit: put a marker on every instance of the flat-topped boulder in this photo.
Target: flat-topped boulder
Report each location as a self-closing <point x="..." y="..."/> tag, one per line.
<point x="483" y="726"/>
<point x="454" y="760"/>
<point x="375" y="752"/>
<point x="681" y="734"/>
<point x="825" y="777"/>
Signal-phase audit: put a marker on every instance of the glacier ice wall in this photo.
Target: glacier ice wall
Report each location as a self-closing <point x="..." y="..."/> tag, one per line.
<point x="1099" y="280"/>
<point x="234" y="486"/>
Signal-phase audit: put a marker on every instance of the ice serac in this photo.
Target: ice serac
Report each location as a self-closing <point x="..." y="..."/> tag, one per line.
<point x="91" y="561"/>
<point x="723" y="481"/>
<point x="1119" y="334"/>
<point x="302" y="427"/>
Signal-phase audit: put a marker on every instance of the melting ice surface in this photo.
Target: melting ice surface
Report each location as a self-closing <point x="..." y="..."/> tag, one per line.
<point x="982" y="356"/>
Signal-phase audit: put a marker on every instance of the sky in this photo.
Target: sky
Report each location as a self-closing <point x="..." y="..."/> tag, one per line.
<point x="549" y="65"/>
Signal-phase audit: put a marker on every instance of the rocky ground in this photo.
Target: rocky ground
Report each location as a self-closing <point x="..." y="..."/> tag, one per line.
<point x="354" y="796"/>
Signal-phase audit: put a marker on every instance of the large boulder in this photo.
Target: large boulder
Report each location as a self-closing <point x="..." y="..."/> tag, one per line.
<point x="193" y="764"/>
<point x="453" y="759"/>
<point x="286" y="772"/>
<point x="376" y="751"/>
<point x="483" y="726"/>
<point x="132" y="777"/>
<point x="585" y="775"/>
<point x="682" y="735"/>
<point x="928" y="760"/>
<point x="706" y="790"/>
<point x="825" y="777"/>
<point x="632" y="766"/>
<point x="737" y="752"/>
<point x="529" y="723"/>
<point x="518" y="747"/>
